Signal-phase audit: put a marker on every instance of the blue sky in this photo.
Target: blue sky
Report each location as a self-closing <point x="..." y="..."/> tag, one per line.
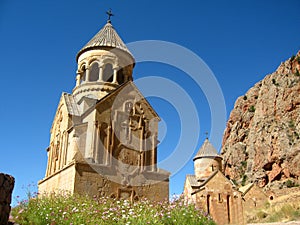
<point x="240" y="41"/>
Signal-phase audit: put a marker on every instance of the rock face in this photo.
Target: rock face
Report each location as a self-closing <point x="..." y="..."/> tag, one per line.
<point x="261" y="142"/>
<point x="7" y="183"/>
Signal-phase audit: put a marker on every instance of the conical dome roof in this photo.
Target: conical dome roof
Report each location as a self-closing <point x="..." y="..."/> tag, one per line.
<point x="206" y="150"/>
<point x="106" y="37"/>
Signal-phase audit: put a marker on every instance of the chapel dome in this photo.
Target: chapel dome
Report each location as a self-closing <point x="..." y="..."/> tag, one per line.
<point x="207" y="150"/>
<point x="106" y="37"/>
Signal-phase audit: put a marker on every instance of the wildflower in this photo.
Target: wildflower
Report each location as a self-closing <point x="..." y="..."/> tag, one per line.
<point x="20" y="211"/>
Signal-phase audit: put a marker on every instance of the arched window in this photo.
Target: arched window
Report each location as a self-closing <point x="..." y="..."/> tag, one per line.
<point x="108" y="73"/>
<point x="120" y="76"/>
<point x="94" y="72"/>
<point x="208" y="204"/>
<point x="228" y="208"/>
<point x="82" y="74"/>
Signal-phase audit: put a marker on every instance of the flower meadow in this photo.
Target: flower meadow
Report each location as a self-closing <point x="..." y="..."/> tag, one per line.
<point x="66" y="209"/>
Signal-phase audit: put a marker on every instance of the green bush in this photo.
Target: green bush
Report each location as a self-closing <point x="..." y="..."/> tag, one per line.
<point x="74" y="209"/>
<point x="291" y="124"/>
<point x="244" y="163"/>
<point x="251" y="108"/>
<point x="293" y="57"/>
<point x="261" y="215"/>
<point x="244" y="179"/>
<point x="290" y="184"/>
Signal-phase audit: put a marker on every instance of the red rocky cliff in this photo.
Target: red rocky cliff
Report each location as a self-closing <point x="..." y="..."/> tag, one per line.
<point x="262" y="139"/>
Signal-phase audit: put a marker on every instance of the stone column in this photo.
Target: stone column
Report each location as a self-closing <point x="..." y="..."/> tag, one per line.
<point x="7" y="183"/>
<point x="94" y="141"/>
<point x="106" y="149"/>
<point x="62" y="150"/>
<point x="50" y="159"/>
<point x="87" y="75"/>
<point x="142" y="149"/>
<point x="115" y="75"/>
<point x="153" y="151"/>
<point x="48" y="162"/>
<point x="90" y="142"/>
<point x="74" y="147"/>
<point x="67" y="149"/>
<point x="100" y="78"/>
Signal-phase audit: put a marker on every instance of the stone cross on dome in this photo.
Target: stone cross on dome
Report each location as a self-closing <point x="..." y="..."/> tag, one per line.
<point x="206" y="135"/>
<point x="110" y="14"/>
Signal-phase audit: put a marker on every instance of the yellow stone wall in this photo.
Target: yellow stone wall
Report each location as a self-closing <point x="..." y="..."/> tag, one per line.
<point x="204" y="167"/>
<point x="62" y="181"/>
<point x="221" y="200"/>
<point x="89" y="181"/>
<point x="254" y="198"/>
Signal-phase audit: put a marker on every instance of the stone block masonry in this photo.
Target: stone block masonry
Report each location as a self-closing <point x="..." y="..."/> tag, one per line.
<point x="7" y="183"/>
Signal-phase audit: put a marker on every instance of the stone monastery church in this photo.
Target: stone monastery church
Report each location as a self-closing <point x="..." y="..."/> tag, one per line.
<point x="104" y="135"/>
<point x="103" y="141"/>
<point x="216" y="194"/>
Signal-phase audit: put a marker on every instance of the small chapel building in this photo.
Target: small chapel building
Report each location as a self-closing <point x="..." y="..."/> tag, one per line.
<point x="103" y="140"/>
<point x="211" y="191"/>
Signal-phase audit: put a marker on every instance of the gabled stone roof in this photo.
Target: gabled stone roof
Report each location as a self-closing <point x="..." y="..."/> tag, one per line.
<point x="71" y="104"/>
<point x="206" y="150"/>
<point x="246" y="188"/>
<point x="192" y="180"/>
<point x="106" y="37"/>
<point x="129" y="85"/>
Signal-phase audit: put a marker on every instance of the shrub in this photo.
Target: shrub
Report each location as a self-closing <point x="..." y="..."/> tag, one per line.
<point x="293" y="57"/>
<point x="251" y="108"/>
<point x="291" y="124"/>
<point x="244" y="163"/>
<point x="289" y="183"/>
<point x="234" y="182"/>
<point x="261" y="215"/>
<point x="244" y="180"/>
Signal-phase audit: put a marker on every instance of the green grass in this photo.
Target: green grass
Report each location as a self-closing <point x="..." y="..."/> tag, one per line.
<point x="285" y="213"/>
<point x="74" y="209"/>
<point x="272" y="213"/>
